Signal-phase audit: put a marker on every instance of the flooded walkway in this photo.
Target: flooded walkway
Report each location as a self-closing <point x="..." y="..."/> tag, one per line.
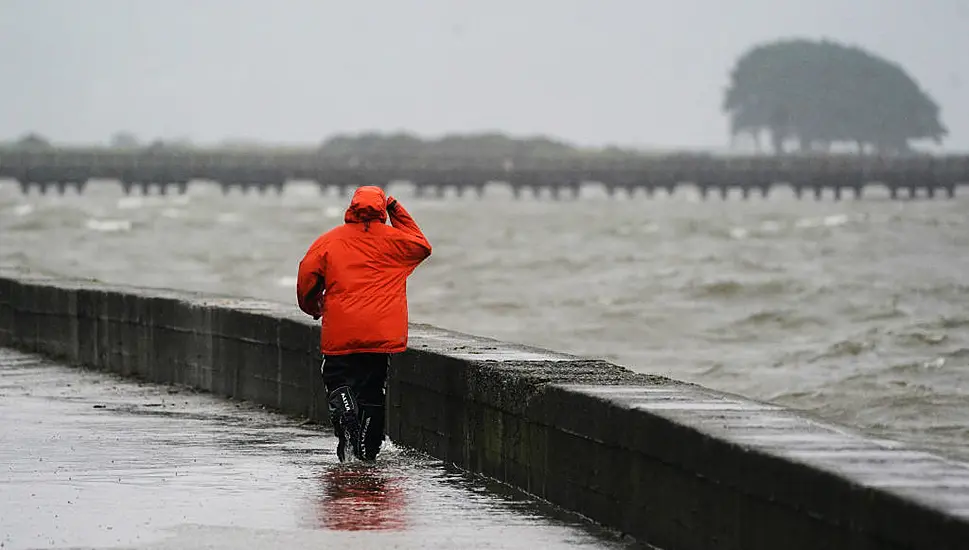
<point x="95" y="461"/>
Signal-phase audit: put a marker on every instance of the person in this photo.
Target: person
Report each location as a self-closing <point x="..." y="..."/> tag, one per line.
<point x="354" y="277"/>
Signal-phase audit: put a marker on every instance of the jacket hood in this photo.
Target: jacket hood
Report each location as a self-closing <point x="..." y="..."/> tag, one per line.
<point x="367" y="205"/>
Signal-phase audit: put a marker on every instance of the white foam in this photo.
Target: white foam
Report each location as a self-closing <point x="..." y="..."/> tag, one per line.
<point x="173" y="213"/>
<point x="770" y="226"/>
<point x="228" y="217"/>
<point x="936" y="363"/>
<point x="130" y="203"/>
<point x="807" y="222"/>
<point x="108" y="226"/>
<point x="738" y="233"/>
<point x="332" y="212"/>
<point x="287" y="280"/>
<point x="834" y="221"/>
<point x="181" y="200"/>
<point x="24" y="209"/>
<point x="304" y="190"/>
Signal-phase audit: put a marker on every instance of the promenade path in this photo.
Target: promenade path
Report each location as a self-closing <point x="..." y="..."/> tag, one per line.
<point x="91" y="460"/>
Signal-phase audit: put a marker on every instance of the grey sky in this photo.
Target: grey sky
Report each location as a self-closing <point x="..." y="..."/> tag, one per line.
<point x="636" y="72"/>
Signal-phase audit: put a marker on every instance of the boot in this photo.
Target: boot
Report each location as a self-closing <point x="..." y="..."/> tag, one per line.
<point x="371" y="430"/>
<point x="344" y="416"/>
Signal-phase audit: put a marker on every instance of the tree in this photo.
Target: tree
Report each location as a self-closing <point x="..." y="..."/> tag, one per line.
<point x="483" y="145"/>
<point x="124" y="140"/>
<point x="34" y="141"/>
<point x="820" y="92"/>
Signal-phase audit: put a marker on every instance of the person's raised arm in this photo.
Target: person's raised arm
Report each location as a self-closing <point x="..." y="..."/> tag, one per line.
<point x="310" y="282"/>
<point x="417" y="247"/>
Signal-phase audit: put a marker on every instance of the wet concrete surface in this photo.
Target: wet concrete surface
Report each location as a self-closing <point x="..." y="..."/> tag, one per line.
<point x="91" y="460"/>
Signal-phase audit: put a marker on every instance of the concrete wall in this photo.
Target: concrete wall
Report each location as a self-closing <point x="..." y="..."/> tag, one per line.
<point x="674" y="464"/>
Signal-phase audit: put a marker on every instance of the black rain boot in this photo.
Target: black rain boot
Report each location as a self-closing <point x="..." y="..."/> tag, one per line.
<point x="371" y="430"/>
<point x="345" y="417"/>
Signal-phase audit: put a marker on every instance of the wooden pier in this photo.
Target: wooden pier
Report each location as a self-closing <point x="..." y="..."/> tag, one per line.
<point x="61" y="170"/>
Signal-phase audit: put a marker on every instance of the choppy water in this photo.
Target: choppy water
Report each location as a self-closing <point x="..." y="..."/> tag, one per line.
<point x="855" y="310"/>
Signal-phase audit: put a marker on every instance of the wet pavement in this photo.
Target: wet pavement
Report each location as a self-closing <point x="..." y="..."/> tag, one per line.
<point x="90" y="460"/>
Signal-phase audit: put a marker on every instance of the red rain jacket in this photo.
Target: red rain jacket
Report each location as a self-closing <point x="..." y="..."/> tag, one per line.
<point x="354" y="276"/>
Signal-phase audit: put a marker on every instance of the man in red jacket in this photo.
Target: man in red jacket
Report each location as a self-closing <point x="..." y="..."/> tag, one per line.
<point x="354" y="276"/>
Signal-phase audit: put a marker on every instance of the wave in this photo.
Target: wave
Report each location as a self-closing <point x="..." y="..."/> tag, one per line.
<point x="108" y="226"/>
<point x="734" y="289"/>
<point x="826" y="221"/>
<point x="921" y="337"/>
<point x="770" y="226"/>
<point x="953" y="322"/>
<point x="29" y="224"/>
<point x="23" y="210"/>
<point x="776" y="228"/>
<point x="130" y="203"/>
<point x="845" y="348"/>
<point x="787" y="319"/>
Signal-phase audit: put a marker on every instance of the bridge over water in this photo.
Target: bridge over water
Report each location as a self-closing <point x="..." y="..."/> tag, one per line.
<point x="62" y="170"/>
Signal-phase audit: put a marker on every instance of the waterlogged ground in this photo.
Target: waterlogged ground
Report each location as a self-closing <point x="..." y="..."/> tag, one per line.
<point x="855" y="310"/>
<point x="90" y="460"/>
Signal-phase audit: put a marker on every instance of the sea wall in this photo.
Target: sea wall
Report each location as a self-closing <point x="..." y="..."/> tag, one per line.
<point x="674" y="464"/>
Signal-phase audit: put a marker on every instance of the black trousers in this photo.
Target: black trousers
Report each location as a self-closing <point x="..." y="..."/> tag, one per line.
<point x="365" y="374"/>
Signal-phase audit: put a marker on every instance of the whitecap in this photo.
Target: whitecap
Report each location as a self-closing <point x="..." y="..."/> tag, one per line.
<point x="130" y="203"/>
<point x="836" y="220"/>
<point x="173" y="213"/>
<point x="936" y="363"/>
<point x="807" y="222"/>
<point x="24" y="210"/>
<point x="333" y="212"/>
<point x="181" y="200"/>
<point x="108" y="226"/>
<point x="287" y="280"/>
<point x="770" y="226"/>
<point x="738" y="233"/>
<point x="228" y="217"/>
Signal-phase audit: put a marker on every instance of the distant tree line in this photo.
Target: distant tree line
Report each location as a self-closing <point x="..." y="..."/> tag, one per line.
<point x="818" y="93"/>
<point x="373" y="144"/>
<point x="493" y="145"/>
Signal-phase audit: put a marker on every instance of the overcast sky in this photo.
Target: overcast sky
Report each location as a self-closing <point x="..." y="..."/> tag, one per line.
<point x="629" y="72"/>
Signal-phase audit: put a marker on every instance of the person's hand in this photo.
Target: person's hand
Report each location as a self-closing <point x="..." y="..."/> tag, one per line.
<point x="391" y="204"/>
<point x="319" y="306"/>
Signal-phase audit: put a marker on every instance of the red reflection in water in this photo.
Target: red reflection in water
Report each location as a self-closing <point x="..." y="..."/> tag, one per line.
<point x="361" y="498"/>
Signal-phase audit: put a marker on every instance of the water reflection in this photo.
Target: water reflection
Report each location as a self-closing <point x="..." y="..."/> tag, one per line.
<point x="361" y="497"/>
